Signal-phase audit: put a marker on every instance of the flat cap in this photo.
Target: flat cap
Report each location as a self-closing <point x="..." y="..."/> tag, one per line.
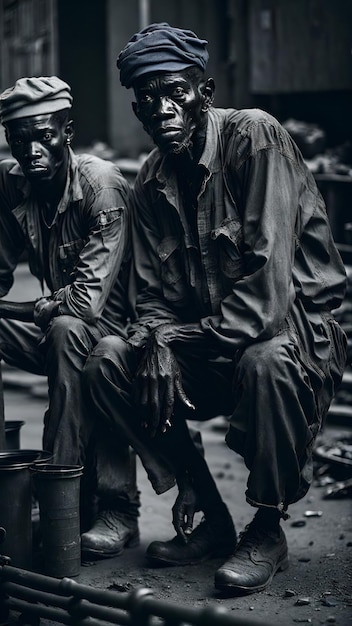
<point x="34" y="96"/>
<point x="160" y="48"/>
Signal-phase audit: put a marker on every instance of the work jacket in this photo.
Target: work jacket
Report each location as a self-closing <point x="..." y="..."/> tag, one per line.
<point x="86" y="263"/>
<point x="262" y="239"/>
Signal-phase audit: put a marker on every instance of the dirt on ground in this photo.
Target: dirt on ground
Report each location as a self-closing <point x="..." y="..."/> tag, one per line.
<point x="316" y="589"/>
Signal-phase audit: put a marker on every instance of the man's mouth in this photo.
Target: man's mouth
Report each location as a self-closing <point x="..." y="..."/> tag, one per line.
<point x="166" y="131"/>
<point x="35" y="168"/>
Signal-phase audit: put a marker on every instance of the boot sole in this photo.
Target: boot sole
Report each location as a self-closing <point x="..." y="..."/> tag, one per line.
<point x="282" y="565"/>
<point x="132" y="542"/>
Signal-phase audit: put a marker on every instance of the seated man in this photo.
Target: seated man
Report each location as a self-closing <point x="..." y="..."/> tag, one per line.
<point x="70" y="214"/>
<point x="236" y="274"/>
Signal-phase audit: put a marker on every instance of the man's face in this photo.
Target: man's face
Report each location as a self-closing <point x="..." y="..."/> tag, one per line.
<point x="169" y="105"/>
<point x="38" y="143"/>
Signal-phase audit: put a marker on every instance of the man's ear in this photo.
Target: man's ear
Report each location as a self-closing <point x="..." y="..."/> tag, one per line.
<point x="208" y="92"/>
<point x="69" y="132"/>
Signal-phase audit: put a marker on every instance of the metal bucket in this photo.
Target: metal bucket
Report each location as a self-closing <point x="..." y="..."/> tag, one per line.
<point x="58" y="490"/>
<point x="12" y="434"/>
<point x="16" y="503"/>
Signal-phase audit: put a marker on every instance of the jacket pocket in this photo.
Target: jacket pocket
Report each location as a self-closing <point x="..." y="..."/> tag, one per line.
<point x="172" y="270"/>
<point x="107" y="216"/>
<point x="229" y="239"/>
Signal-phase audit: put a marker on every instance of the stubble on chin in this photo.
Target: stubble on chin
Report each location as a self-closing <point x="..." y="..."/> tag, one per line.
<point x="183" y="148"/>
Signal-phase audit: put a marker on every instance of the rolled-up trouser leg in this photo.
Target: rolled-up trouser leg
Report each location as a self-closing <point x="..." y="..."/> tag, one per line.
<point x="281" y="395"/>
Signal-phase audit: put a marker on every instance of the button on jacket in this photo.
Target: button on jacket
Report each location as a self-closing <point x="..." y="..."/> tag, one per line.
<point x="262" y="239"/>
<point x="87" y="243"/>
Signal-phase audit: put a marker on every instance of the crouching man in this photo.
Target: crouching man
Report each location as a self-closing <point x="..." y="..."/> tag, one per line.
<point x="236" y="274"/>
<point x="70" y="214"/>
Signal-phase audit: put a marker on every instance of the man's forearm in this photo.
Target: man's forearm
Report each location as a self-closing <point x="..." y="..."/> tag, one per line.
<point x="22" y="311"/>
<point x="192" y="334"/>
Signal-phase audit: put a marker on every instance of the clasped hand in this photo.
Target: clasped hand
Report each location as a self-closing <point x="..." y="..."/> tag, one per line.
<point x="44" y="310"/>
<point x="159" y="381"/>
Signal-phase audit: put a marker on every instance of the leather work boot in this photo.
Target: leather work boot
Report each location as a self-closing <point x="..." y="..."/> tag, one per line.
<point x="209" y="539"/>
<point x="257" y="558"/>
<point x="109" y="535"/>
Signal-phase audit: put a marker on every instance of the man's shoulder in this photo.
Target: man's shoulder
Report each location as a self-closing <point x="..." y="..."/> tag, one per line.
<point x="100" y="173"/>
<point x="248" y="131"/>
<point x="244" y="120"/>
<point x="7" y="180"/>
<point x="6" y="165"/>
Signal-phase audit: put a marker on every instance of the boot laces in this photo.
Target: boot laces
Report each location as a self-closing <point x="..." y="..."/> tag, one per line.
<point x="249" y="540"/>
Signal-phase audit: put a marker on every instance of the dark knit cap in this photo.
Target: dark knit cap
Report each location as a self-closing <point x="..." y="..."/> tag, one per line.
<point x="160" y="48"/>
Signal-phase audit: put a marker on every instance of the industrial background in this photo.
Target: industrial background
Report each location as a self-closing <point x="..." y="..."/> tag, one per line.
<point x="292" y="57"/>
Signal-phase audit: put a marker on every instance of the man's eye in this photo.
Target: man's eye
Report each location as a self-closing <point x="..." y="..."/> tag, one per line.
<point x="47" y="136"/>
<point x="177" y="92"/>
<point x="146" y="99"/>
<point x="17" y="142"/>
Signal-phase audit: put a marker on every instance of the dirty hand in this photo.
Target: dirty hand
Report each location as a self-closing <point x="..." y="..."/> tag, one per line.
<point x="158" y="382"/>
<point x="44" y="310"/>
<point x="186" y="505"/>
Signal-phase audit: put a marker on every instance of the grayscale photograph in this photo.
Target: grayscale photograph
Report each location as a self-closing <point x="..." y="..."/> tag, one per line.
<point x="175" y="312"/>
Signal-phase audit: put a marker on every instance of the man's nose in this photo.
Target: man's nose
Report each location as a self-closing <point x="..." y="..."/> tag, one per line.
<point x="164" y="107"/>
<point x="32" y="149"/>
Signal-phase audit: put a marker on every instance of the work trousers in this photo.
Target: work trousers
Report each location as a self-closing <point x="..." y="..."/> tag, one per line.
<point x="70" y="432"/>
<point x="276" y="393"/>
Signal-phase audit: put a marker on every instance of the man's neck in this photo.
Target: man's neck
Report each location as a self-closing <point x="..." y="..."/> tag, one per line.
<point x="199" y="143"/>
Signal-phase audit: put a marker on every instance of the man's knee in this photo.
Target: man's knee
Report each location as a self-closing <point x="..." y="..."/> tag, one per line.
<point x="66" y="330"/>
<point x="265" y="359"/>
<point x="111" y="352"/>
<point x="64" y="324"/>
<point x="68" y="340"/>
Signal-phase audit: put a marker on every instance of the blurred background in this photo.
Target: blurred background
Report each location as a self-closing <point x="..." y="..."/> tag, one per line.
<point x="289" y="57"/>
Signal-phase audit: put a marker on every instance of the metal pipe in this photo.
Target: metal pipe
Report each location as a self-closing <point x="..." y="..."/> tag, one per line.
<point x="76" y="607"/>
<point x="144" y="13"/>
<point x="75" y="604"/>
<point x="47" y="612"/>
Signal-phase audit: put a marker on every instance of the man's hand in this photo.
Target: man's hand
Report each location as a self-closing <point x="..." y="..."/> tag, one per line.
<point x="159" y="381"/>
<point x="186" y="505"/>
<point x="44" y="310"/>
